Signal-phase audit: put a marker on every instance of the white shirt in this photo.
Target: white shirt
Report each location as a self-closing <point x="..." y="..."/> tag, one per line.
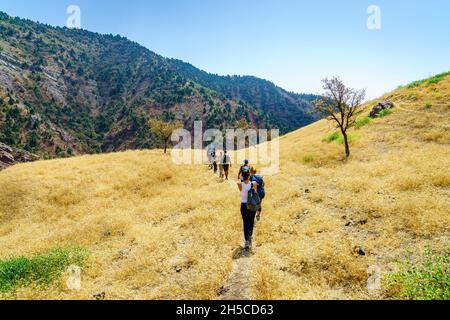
<point x="245" y="189"/>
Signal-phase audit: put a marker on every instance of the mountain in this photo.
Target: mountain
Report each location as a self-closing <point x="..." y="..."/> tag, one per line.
<point x="66" y="92"/>
<point x="330" y="229"/>
<point x="290" y="110"/>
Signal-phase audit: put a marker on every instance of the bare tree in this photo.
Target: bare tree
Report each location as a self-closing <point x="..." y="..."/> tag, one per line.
<point x="340" y="104"/>
<point x="163" y="130"/>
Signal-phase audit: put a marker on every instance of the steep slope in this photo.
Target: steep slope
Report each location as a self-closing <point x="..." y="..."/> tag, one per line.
<point x="327" y="224"/>
<point x="65" y="92"/>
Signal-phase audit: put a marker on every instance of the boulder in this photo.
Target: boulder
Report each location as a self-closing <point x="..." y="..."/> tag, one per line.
<point x="10" y="156"/>
<point x="383" y="105"/>
<point x="6" y="156"/>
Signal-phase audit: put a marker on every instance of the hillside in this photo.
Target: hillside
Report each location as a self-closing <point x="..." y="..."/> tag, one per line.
<point x="156" y="231"/>
<point x="66" y="92"/>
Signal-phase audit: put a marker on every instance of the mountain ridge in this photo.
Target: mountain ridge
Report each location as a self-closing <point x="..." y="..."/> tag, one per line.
<point x="65" y="91"/>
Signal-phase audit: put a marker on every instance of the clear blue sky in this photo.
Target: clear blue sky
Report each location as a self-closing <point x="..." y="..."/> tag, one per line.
<point x="293" y="43"/>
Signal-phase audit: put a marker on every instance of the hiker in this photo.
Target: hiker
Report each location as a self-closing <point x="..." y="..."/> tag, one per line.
<point x="245" y="167"/>
<point x="249" y="206"/>
<point x="214" y="160"/>
<point x="211" y="154"/>
<point x="221" y="164"/>
<point x="261" y="189"/>
<point x="226" y="164"/>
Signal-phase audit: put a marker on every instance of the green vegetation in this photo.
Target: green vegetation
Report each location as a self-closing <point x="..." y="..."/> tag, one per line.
<point x="361" y="122"/>
<point x="338" y="138"/>
<point x="433" y="80"/>
<point x="114" y="86"/>
<point x="42" y="269"/>
<point x="428" y="105"/>
<point x="307" y="158"/>
<point x="426" y="280"/>
<point x="384" y="113"/>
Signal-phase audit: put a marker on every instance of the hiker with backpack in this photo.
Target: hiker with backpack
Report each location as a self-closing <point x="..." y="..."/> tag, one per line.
<point x="249" y="206"/>
<point x="244" y="167"/>
<point x="260" y="188"/>
<point x="226" y="161"/>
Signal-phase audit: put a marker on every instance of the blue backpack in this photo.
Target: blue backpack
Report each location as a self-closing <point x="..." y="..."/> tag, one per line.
<point x="259" y="180"/>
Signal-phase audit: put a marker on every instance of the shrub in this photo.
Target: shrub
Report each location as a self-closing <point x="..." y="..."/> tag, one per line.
<point x="427" y="280"/>
<point x="42" y="269"/>
<point x="384" y="113"/>
<point x="339" y="138"/>
<point x="307" y="158"/>
<point x="332" y="137"/>
<point x="361" y="122"/>
<point x="428" y="105"/>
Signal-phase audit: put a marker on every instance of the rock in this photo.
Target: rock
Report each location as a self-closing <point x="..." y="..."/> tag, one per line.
<point x="123" y="254"/>
<point x="10" y="156"/>
<point x="99" y="295"/>
<point x="384" y="105"/>
<point x="350" y="223"/>
<point x="360" y="251"/>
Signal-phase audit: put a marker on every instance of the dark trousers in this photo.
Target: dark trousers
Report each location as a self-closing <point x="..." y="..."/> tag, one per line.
<point x="248" y="217"/>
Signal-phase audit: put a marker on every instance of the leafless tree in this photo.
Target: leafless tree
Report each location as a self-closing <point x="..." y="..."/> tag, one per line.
<point x="340" y="104"/>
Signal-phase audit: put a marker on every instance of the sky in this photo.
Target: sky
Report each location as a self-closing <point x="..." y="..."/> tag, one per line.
<point x="293" y="43"/>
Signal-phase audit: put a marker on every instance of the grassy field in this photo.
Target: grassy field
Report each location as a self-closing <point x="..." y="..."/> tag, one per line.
<point x="155" y="230"/>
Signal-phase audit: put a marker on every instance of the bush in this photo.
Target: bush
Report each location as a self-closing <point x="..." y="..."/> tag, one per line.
<point x="42" y="269"/>
<point x="307" y="158"/>
<point x="384" y="113"/>
<point x="428" y="280"/>
<point x="332" y="137"/>
<point x="339" y="138"/>
<point x="428" y="105"/>
<point x="361" y="122"/>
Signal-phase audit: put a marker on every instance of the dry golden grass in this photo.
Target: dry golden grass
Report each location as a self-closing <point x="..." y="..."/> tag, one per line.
<point x="169" y="217"/>
<point x="390" y="198"/>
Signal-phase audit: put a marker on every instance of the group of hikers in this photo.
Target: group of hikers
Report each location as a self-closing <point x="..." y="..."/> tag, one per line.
<point x="250" y="185"/>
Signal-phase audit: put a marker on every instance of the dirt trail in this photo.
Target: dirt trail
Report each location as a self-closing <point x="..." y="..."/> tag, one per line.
<point x="238" y="285"/>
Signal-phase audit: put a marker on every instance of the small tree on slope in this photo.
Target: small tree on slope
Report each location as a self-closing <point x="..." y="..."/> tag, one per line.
<point x="163" y="130"/>
<point x="340" y="104"/>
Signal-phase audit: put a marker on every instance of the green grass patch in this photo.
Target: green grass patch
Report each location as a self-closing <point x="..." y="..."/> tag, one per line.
<point x="332" y="137"/>
<point x="426" y="280"/>
<point x="384" y="113"/>
<point x="339" y="138"/>
<point x="433" y="80"/>
<point x="308" y="158"/>
<point x="428" y="105"/>
<point x="42" y="269"/>
<point x="361" y="122"/>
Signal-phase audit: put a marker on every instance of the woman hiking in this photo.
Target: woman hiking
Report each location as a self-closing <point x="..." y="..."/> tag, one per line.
<point x="248" y="216"/>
